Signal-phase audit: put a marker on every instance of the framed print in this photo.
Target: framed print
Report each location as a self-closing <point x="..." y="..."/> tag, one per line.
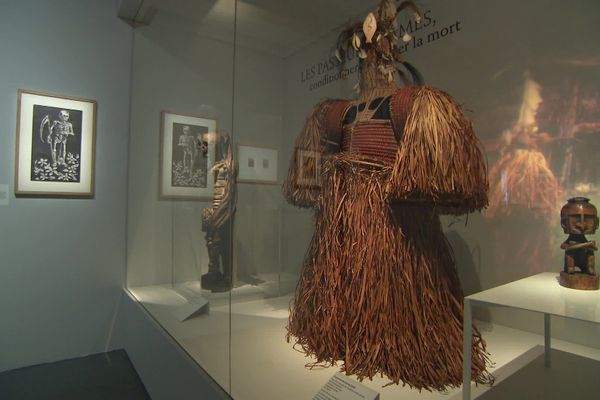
<point x="55" y="145"/>
<point x="257" y="164"/>
<point x="309" y="168"/>
<point x="187" y="155"/>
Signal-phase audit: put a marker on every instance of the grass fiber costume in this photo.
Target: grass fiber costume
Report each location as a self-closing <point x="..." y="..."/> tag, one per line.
<point x="379" y="290"/>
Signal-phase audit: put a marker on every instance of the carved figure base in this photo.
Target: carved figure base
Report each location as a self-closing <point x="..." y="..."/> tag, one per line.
<point x="579" y="280"/>
<point x="215" y="281"/>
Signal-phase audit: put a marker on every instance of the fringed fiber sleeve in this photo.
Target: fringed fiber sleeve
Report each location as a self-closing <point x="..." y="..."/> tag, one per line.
<point x="320" y="136"/>
<point x="439" y="160"/>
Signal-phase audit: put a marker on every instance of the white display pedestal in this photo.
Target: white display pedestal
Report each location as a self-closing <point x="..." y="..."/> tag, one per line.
<point x="540" y="293"/>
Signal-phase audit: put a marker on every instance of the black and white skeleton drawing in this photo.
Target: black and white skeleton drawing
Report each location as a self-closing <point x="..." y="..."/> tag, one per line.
<point x="186" y="142"/>
<point x="56" y="144"/>
<point x="189" y="162"/>
<point x="56" y="133"/>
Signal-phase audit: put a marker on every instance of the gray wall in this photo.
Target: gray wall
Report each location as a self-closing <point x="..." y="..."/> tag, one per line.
<point x="258" y="121"/>
<point x="175" y="68"/>
<point x="177" y="71"/>
<point x="62" y="262"/>
<point x="298" y="101"/>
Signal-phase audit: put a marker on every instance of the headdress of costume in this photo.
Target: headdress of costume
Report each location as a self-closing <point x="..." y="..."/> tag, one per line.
<point x="379" y="291"/>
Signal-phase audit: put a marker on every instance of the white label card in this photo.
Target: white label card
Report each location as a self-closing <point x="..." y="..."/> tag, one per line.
<point x="196" y="304"/>
<point x="3" y="195"/>
<point x="342" y="387"/>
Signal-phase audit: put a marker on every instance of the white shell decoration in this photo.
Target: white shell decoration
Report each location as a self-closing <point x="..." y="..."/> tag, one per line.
<point x="356" y="41"/>
<point x="369" y="27"/>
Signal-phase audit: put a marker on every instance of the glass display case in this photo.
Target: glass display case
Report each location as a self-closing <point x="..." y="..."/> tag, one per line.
<point x="215" y="76"/>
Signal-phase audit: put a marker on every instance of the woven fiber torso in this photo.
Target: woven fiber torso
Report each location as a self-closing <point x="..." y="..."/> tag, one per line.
<point x="367" y="130"/>
<point x="372" y="127"/>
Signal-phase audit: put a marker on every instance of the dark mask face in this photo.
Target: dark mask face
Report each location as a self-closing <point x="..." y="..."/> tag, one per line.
<point x="581" y="224"/>
<point x="202" y="144"/>
<point x="579" y="216"/>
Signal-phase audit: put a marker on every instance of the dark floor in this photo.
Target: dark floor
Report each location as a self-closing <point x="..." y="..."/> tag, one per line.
<point x="100" y="376"/>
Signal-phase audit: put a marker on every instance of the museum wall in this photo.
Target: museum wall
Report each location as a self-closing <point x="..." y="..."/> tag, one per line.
<point x="258" y="122"/>
<point x="527" y="74"/>
<point x="182" y="69"/>
<point x="167" y="77"/>
<point x="311" y="75"/>
<point x="63" y="261"/>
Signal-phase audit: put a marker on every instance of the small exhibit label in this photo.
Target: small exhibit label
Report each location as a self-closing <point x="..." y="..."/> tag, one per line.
<point x="3" y="195"/>
<point x="342" y="387"/>
<point x="196" y="304"/>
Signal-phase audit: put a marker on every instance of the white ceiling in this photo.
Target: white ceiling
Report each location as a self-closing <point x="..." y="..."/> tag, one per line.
<point x="280" y="27"/>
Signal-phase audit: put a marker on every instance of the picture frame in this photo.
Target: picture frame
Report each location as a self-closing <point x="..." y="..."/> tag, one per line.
<point x="309" y="168"/>
<point x="187" y="155"/>
<point x="257" y="164"/>
<point x="55" y="145"/>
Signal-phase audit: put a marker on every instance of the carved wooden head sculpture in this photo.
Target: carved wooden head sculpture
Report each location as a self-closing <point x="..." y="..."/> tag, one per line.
<point x="579" y="216"/>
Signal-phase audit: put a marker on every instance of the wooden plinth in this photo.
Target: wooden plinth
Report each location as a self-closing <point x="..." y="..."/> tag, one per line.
<point x="579" y="280"/>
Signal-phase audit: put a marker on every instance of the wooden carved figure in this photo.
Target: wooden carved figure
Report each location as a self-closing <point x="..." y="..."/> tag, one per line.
<point x="579" y="217"/>
<point x="218" y="220"/>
